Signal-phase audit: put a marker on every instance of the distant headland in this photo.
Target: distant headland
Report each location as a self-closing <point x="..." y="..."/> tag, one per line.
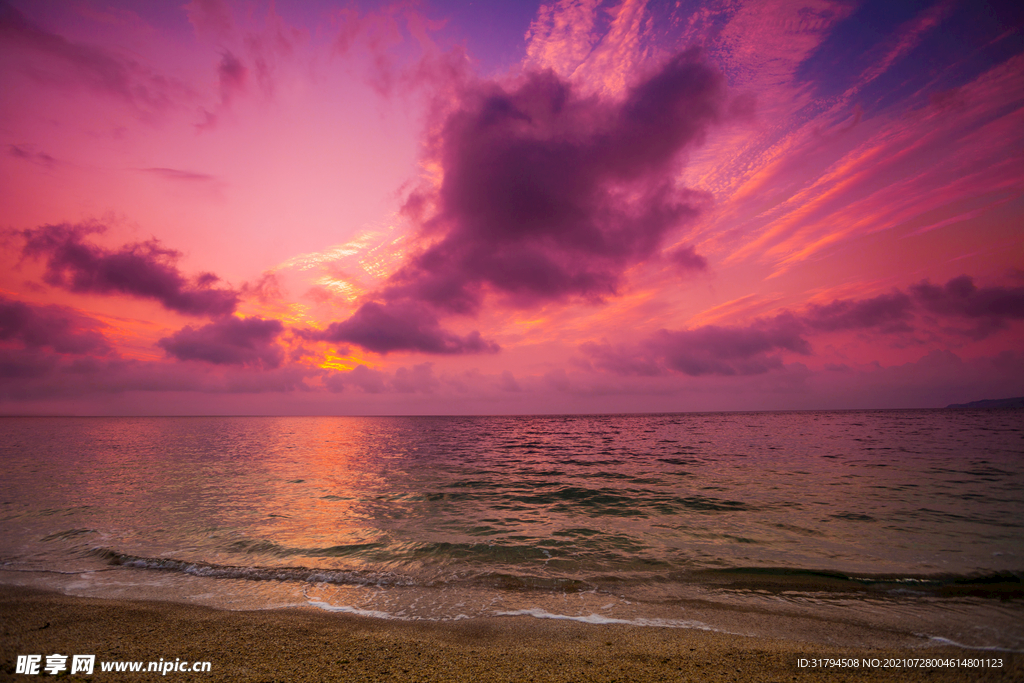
<point x="992" y="403"/>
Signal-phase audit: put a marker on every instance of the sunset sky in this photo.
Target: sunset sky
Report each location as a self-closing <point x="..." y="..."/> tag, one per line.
<point x="448" y="207"/>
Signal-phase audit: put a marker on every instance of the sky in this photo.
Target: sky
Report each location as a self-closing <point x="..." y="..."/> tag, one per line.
<point x="450" y="207"/>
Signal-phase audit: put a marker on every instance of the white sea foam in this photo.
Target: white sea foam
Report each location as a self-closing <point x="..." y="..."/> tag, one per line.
<point x="348" y="609"/>
<point x="598" y="619"/>
<point x="937" y="640"/>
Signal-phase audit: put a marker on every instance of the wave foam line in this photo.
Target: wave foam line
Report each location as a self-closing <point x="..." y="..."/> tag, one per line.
<point x="215" y="571"/>
<point x="377" y="614"/>
<point x="939" y="640"/>
<point x="598" y="619"/>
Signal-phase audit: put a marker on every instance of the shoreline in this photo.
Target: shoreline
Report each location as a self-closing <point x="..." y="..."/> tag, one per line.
<point x="304" y="644"/>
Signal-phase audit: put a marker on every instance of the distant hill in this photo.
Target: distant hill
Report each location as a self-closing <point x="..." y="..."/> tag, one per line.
<point x="992" y="403"/>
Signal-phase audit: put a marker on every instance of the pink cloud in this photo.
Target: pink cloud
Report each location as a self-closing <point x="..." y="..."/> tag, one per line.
<point x="420" y="378"/>
<point x="376" y="39"/>
<point x="210" y="17"/>
<point x="599" y="48"/>
<point x="370" y="381"/>
<point x="928" y="165"/>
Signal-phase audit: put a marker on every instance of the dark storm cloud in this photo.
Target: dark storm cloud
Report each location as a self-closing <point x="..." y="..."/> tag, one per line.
<point x="229" y="341"/>
<point x="548" y="195"/>
<point x="57" y="327"/>
<point x="146" y="270"/>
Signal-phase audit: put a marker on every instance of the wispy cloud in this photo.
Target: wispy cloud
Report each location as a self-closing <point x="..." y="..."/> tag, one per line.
<point x="180" y="175"/>
<point x="60" y="62"/>
<point x="29" y="153"/>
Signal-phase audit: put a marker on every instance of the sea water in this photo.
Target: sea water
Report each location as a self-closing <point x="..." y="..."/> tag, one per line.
<point x="851" y="527"/>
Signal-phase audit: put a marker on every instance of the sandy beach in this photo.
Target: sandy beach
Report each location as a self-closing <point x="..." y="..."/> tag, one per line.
<point x="307" y="645"/>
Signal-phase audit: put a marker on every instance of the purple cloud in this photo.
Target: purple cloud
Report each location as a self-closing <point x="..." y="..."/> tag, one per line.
<point x="623" y="360"/>
<point x="992" y="307"/>
<point x="145" y="270"/>
<point x="62" y="329"/>
<point x="23" y="364"/>
<point x="370" y="381"/>
<point x="755" y="348"/>
<point x="30" y="374"/>
<point x="730" y="350"/>
<point x="547" y="195"/>
<point x="508" y="382"/>
<point x="229" y="341"/>
<point x="888" y="312"/>
<point x="419" y="379"/>
<point x="401" y="326"/>
<point x="688" y="259"/>
<point x="707" y="350"/>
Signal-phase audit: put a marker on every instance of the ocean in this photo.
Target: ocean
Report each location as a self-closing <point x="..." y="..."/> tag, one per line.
<point x="847" y="527"/>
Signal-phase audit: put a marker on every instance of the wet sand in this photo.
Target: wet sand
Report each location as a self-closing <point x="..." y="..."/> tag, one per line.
<point x="309" y="645"/>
